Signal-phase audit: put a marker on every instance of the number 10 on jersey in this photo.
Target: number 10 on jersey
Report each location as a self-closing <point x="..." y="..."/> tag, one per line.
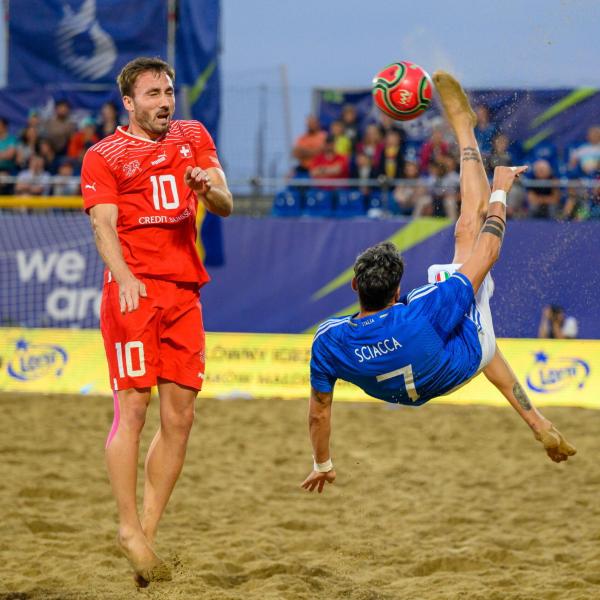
<point x="160" y="196"/>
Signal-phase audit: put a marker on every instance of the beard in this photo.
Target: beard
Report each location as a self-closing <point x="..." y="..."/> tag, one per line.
<point x="150" y="121"/>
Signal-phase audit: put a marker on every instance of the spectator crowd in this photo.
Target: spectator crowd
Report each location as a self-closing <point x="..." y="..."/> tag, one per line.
<point x="391" y="172"/>
<point x="45" y="158"/>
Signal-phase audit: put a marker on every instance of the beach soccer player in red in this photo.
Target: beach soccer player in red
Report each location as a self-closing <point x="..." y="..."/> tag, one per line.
<point x="142" y="187"/>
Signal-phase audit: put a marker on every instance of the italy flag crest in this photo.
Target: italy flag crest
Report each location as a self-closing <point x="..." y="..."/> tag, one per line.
<point x="442" y="276"/>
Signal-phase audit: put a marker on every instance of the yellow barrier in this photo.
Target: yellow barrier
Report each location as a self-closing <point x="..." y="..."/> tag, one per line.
<point x="41" y="202"/>
<point x="554" y="372"/>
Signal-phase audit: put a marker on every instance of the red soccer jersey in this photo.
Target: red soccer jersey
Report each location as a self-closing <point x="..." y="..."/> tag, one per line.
<point x="157" y="210"/>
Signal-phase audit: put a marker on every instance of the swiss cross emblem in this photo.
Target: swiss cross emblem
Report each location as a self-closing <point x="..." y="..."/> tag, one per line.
<point x="185" y="150"/>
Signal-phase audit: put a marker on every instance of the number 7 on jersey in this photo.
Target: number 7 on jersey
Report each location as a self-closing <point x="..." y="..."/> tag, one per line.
<point x="409" y="380"/>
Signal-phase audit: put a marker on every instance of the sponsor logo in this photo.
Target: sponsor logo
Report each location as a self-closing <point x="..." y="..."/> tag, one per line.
<point x="185" y="151"/>
<point x="131" y="168"/>
<point x="34" y="361"/>
<point x="161" y="158"/>
<point x="553" y="374"/>
<point x="158" y="219"/>
<point x="90" y="187"/>
<point x="405" y="97"/>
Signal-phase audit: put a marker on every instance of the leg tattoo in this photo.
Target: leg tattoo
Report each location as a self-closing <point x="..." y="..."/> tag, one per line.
<point x="494" y="227"/>
<point x="521" y="396"/>
<point x="470" y="153"/>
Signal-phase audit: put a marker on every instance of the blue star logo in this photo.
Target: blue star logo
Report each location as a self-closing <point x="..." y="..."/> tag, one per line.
<point x="541" y="357"/>
<point x="22" y="344"/>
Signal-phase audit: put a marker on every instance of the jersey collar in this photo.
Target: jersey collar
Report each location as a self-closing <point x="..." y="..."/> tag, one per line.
<point x="375" y="317"/>
<point x="123" y="130"/>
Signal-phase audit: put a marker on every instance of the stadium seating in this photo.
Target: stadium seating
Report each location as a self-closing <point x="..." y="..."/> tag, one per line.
<point x="319" y="203"/>
<point x="287" y="203"/>
<point x="350" y="203"/>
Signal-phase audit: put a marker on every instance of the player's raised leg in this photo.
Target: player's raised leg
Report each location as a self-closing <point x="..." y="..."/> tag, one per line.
<point x="167" y="451"/>
<point x="122" y="452"/>
<point x="474" y="185"/>
<point x="502" y="376"/>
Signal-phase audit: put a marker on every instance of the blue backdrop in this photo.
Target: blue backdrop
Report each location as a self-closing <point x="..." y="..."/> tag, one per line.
<point x="285" y="275"/>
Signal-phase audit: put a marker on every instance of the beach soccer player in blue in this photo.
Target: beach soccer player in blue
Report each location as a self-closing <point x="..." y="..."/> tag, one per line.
<point x="436" y="338"/>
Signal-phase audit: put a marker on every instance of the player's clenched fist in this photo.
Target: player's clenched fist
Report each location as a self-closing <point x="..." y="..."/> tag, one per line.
<point x="197" y="179"/>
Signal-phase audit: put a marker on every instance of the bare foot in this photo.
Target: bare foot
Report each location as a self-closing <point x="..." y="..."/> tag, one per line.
<point x="455" y="101"/>
<point x="147" y="565"/>
<point x="555" y="444"/>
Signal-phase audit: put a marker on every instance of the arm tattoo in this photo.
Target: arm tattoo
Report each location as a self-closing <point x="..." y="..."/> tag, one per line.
<point x="521" y="396"/>
<point x="470" y="153"/>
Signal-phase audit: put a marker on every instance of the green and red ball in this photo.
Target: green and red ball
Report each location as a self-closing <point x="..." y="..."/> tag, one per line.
<point x="402" y="90"/>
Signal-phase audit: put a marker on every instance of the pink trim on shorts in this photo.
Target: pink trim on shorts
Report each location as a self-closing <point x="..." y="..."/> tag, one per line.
<point x="116" y="419"/>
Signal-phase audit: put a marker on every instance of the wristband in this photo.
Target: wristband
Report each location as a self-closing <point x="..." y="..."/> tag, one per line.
<point x="324" y="467"/>
<point x="498" y="196"/>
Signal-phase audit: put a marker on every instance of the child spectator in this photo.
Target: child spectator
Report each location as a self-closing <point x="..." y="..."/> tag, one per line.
<point x="342" y="143"/>
<point x="34" y="181"/>
<point x="65" y="183"/>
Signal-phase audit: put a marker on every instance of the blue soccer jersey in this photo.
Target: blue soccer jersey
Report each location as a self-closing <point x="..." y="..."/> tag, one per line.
<point x="408" y="353"/>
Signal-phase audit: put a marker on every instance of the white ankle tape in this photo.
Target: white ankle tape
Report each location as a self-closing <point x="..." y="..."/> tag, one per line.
<point x="323" y="467"/>
<point x="498" y="196"/>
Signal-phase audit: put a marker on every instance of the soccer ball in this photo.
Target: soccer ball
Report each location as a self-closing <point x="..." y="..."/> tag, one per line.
<point x="402" y="90"/>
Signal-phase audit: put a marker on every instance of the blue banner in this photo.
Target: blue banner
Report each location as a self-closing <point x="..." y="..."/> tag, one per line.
<point x="286" y="275"/>
<point x="531" y="118"/>
<point x="75" y="42"/>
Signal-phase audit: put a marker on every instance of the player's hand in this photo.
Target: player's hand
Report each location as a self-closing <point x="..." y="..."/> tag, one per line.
<point x="130" y="291"/>
<point x="197" y="179"/>
<point x="504" y="177"/>
<point x="317" y="480"/>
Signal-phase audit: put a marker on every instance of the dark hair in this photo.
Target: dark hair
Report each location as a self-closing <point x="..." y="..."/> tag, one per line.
<point x="378" y="271"/>
<point x="133" y="69"/>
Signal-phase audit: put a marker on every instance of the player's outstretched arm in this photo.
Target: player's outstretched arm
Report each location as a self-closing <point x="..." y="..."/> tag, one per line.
<point x="319" y="425"/>
<point x="103" y="218"/>
<point x="211" y="188"/>
<point x="487" y="247"/>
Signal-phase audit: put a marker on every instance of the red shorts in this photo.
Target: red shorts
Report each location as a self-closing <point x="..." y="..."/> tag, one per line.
<point x="163" y="337"/>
